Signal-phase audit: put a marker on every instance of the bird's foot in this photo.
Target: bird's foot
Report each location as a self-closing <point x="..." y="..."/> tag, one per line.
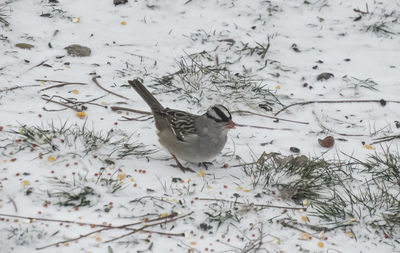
<point x="180" y="166"/>
<point x="205" y="164"/>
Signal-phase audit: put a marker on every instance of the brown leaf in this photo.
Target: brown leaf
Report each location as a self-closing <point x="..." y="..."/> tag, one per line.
<point x="327" y="142"/>
<point x="324" y="76"/>
<point x="24" y="45"/>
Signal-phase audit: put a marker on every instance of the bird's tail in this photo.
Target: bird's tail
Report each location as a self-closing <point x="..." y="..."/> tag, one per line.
<point x="146" y="95"/>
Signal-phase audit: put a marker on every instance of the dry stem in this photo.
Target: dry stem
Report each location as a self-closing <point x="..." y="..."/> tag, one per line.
<point x="101" y="87"/>
<point x="257" y="205"/>
<point x="271" y="117"/>
<point x="381" y="101"/>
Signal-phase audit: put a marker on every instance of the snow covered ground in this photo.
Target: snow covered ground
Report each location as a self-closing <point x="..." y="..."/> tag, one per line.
<point x="65" y="174"/>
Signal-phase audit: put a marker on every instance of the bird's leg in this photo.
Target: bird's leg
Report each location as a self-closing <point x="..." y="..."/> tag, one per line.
<point x="205" y="164"/>
<point x="180" y="166"/>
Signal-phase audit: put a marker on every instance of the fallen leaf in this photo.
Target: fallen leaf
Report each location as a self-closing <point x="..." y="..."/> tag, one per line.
<point x="24" y="45"/>
<point x="324" y="76"/>
<point x="327" y="142"/>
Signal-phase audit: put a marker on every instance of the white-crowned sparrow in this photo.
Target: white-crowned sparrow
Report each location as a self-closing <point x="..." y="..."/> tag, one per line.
<point x="193" y="138"/>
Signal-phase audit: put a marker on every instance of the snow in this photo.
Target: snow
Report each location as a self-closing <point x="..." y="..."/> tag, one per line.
<point x="155" y="37"/>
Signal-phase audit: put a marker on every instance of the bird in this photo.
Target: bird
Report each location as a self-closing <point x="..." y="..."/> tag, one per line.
<point x="186" y="136"/>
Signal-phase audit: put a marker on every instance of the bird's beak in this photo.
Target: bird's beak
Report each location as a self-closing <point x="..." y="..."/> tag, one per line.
<point x="230" y="124"/>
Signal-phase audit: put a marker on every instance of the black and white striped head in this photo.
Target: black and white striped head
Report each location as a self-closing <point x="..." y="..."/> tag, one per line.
<point x="220" y="114"/>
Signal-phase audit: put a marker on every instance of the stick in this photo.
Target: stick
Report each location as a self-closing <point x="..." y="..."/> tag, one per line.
<point x="53" y="110"/>
<point x="149" y="225"/>
<point x="51" y="220"/>
<point x="258" y="205"/>
<point x="140" y="118"/>
<point x="381" y="101"/>
<point x="40" y="64"/>
<point x="262" y="127"/>
<point x="313" y="227"/>
<point x="115" y="94"/>
<point x="20" y="87"/>
<point x="119" y="108"/>
<point x="330" y="130"/>
<point x="13" y="202"/>
<point x="97" y="231"/>
<point x="285" y="224"/>
<point x="61" y="85"/>
<point x="59" y="103"/>
<point x="118" y="227"/>
<point x="385" y="139"/>
<point x="56" y="81"/>
<point x="272" y="117"/>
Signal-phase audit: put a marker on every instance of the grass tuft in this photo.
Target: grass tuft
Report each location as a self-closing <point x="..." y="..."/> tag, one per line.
<point x="340" y="193"/>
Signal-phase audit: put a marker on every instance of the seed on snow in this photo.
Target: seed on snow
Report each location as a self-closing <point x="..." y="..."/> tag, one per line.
<point x="81" y="114"/>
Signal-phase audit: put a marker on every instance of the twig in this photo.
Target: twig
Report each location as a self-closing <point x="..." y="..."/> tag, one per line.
<point x="125" y="226"/>
<point x="381" y="101"/>
<point x="38" y="65"/>
<point x="119" y="108"/>
<point x="59" y="103"/>
<point x="61" y="85"/>
<point x="333" y="131"/>
<point x="360" y="11"/>
<point x="167" y="91"/>
<point x="140" y="118"/>
<point x="94" y="99"/>
<point x="53" y="110"/>
<point x="149" y="225"/>
<point x="52" y="220"/>
<point x="285" y="224"/>
<point x="262" y="127"/>
<point x="71" y="240"/>
<point x="257" y="205"/>
<point x="190" y="249"/>
<point x="100" y="230"/>
<point x="13" y="202"/>
<point x="260" y="243"/>
<point x="101" y="87"/>
<point x="32" y="219"/>
<point x="385" y="139"/>
<point x="313" y="227"/>
<point x="56" y="81"/>
<point x="272" y="117"/>
<point x="76" y="105"/>
<point x="20" y="87"/>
